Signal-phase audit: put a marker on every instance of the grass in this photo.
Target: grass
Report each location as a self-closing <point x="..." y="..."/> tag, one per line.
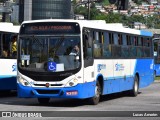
<point x="157" y="78"/>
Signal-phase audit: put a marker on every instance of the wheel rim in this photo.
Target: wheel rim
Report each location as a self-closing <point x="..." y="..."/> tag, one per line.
<point x="136" y="86"/>
<point x="97" y="91"/>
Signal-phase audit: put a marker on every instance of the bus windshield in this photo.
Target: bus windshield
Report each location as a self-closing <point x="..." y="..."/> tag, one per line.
<point x="49" y="53"/>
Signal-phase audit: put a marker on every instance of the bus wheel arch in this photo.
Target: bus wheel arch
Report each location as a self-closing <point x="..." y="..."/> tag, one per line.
<point x="101" y="82"/>
<point x="98" y="91"/>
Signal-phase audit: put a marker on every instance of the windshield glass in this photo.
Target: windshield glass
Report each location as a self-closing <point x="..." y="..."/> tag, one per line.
<point x="49" y="53"/>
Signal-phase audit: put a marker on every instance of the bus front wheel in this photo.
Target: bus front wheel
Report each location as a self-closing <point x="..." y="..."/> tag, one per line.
<point x="134" y="91"/>
<point x="95" y="99"/>
<point x="43" y="101"/>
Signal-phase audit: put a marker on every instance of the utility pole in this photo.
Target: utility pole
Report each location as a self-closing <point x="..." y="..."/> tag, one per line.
<point x="88" y="9"/>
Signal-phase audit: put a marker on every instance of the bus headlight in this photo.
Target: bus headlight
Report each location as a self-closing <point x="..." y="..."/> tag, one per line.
<point x="23" y="81"/>
<point x="72" y="83"/>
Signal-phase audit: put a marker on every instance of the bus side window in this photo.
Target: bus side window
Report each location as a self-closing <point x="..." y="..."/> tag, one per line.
<point x="106" y="48"/>
<point x="124" y="48"/>
<point x="87" y="43"/>
<point x="116" y="48"/>
<point x="128" y="40"/>
<point x="5" y="45"/>
<point x="140" y="52"/>
<point x="98" y="46"/>
<point x="115" y="35"/>
<point x="110" y="38"/>
<point x="147" y="45"/>
<point x="133" y="50"/>
<point x="87" y="47"/>
<point x="124" y="40"/>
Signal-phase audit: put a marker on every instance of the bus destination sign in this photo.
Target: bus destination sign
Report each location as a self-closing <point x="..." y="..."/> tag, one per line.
<point x="50" y="28"/>
<point x="43" y="28"/>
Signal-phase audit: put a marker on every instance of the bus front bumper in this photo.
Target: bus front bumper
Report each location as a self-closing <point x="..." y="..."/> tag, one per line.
<point x="79" y="91"/>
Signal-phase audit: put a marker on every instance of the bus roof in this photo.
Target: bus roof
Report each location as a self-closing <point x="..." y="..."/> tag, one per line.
<point x="9" y="27"/>
<point x="98" y="24"/>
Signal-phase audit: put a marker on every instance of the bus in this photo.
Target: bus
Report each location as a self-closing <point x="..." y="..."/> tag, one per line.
<point x="156" y="42"/>
<point x="8" y="62"/>
<point x="111" y="59"/>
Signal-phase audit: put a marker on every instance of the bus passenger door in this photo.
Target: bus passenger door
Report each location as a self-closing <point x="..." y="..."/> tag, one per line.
<point x="88" y="63"/>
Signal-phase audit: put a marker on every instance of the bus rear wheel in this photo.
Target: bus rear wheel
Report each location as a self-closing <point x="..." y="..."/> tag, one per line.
<point x="154" y="75"/>
<point x="43" y="101"/>
<point x="95" y="100"/>
<point x="134" y="91"/>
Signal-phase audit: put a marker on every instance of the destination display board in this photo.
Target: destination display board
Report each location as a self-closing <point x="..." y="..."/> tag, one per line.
<point x="42" y="28"/>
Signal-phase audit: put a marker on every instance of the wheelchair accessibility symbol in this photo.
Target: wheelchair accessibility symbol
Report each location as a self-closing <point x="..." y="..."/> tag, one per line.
<point x="51" y="66"/>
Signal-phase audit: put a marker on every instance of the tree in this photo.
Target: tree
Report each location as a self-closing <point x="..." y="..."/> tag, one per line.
<point x="81" y="10"/>
<point x="94" y="11"/>
<point x="2" y="1"/>
<point x="101" y="17"/>
<point x="110" y="18"/>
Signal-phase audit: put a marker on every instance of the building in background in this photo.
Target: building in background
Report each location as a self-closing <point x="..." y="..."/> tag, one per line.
<point x="44" y="9"/>
<point x="15" y="14"/>
<point x="153" y="2"/>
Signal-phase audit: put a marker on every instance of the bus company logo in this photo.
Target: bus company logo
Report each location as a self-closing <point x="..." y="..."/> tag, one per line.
<point x="100" y="67"/>
<point x="119" y="67"/>
<point x="47" y="85"/>
<point x="14" y="67"/>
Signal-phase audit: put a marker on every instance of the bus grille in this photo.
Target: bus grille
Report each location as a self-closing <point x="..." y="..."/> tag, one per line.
<point x="47" y="78"/>
<point x="44" y="85"/>
<point x="48" y="91"/>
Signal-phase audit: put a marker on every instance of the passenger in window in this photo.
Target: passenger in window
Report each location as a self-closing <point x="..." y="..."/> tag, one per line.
<point x="4" y="53"/>
<point x="14" y="46"/>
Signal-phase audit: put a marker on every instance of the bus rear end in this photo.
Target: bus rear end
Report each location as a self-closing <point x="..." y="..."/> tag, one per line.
<point x="8" y="62"/>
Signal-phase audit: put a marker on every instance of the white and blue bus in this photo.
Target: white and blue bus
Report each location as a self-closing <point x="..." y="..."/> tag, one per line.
<point x="8" y="62"/>
<point x="111" y="59"/>
<point x="156" y="42"/>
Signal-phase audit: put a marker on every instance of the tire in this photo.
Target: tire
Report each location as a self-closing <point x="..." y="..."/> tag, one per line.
<point x="5" y="92"/>
<point x="95" y="100"/>
<point x="43" y="101"/>
<point x="154" y="75"/>
<point x="134" y="91"/>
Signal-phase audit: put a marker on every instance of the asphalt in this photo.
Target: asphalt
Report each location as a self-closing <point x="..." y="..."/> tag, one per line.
<point x="157" y="81"/>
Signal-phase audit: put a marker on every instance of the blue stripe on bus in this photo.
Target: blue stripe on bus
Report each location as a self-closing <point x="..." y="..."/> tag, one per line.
<point x="8" y="83"/>
<point x="146" y="33"/>
<point x="7" y="76"/>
